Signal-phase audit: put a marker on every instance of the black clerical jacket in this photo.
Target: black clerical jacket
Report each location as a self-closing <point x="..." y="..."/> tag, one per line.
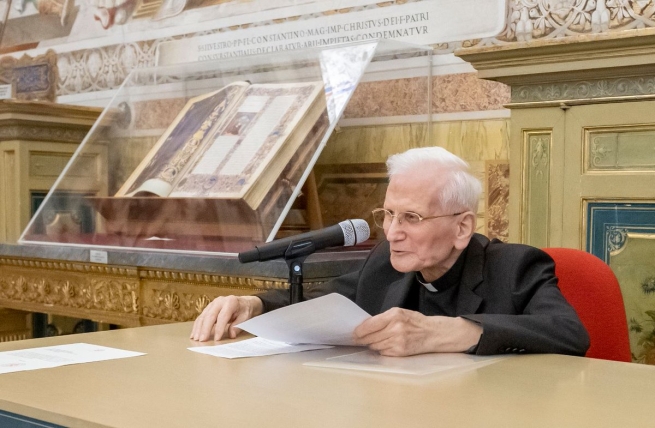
<point x="509" y="289"/>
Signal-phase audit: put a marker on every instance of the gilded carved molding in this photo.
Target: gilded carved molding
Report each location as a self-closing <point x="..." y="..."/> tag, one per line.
<point x="113" y="295"/>
<point x="174" y="305"/>
<point x="221" y="281"/>
<point x="68" y="266"/>
<point x="158" y="295"/>
<point x="41" y="134"/>
<point x="175" y="302"/>
<point x="70" y="285"/>
<point x="181" y="296"/>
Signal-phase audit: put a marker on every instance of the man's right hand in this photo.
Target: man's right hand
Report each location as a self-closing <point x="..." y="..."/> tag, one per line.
<point x="222" y="314"/>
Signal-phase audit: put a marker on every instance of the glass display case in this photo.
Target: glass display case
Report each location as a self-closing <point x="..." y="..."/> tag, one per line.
<point x="209" y="157"/>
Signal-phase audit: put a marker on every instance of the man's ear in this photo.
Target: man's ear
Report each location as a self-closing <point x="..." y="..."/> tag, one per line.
<point x="465" y="229"/>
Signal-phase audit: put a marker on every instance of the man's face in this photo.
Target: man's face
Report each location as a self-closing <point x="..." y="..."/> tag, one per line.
<point x="430" y="245"/>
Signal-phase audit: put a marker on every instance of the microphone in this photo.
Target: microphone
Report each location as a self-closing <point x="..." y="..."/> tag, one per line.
<point x="347" y="233"/>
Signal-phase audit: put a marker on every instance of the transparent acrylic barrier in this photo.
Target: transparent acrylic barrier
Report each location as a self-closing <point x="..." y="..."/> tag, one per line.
<point x="205" y="157"/>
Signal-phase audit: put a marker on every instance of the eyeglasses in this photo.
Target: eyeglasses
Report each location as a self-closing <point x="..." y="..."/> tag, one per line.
<point x="383" y="217"/>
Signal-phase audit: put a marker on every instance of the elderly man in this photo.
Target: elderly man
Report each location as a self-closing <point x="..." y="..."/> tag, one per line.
<point x="435" y="285"/>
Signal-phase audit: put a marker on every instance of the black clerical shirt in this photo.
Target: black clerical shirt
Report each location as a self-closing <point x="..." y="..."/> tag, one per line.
<point x="438" y="297"/>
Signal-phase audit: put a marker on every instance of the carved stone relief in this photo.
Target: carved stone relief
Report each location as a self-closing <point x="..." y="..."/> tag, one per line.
<point x="535" y="19"/>
<point x="106" y="67"/>
<point x="536" y="205"/>
<point x="539" y="148"/>
<point x="599" y="151"/>
<point x="623" y="148"/>
<point x="102" y="68"/>
<point x="601" y="88"/>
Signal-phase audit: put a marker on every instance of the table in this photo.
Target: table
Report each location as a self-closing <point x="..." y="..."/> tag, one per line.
<point x="174" y="387"/>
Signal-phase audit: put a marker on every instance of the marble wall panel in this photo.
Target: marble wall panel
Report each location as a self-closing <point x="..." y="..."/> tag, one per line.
<point x="351" y="191"/>
<point x="497" y="199"/>
<point x="482" y="143"/>
<point x="450" y="93"/>
<point x="389" y="98"/>
<point x="156" y="114"/>
<point x="465" y="92"/>
<point x="473" y="140"/>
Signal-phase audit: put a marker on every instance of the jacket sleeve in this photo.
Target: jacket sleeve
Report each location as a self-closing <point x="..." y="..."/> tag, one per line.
<point x="541" y="320"/>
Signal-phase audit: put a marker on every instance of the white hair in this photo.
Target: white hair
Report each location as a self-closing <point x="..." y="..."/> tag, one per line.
<point x="461" y="191"/>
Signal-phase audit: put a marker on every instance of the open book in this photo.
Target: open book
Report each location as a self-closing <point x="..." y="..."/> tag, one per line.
<point x="231" y="144"/>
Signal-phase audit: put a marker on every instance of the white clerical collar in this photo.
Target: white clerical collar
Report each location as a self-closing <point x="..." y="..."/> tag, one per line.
<point x="427" y="285"/>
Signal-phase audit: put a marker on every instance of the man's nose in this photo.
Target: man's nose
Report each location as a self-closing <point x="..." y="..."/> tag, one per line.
<point x="395" y="230"/>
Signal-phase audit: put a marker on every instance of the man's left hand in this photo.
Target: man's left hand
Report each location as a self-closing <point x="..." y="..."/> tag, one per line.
<point x="401" y="332"/>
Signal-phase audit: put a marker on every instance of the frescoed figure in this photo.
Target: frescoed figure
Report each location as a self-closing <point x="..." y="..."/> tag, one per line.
<point x="110" y="12"/>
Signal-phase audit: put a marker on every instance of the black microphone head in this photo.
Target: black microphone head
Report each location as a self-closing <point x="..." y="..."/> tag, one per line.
<point x="355" y="231"/>
<point x="346" y="233"/>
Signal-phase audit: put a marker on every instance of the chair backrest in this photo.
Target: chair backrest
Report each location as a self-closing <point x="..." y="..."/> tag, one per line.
<point x="590" y="286"/>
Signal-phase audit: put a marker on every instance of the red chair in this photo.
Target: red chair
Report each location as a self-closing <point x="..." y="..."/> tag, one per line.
<point x="590" y="286"/>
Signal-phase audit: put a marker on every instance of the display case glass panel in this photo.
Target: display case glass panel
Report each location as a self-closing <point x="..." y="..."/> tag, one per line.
<point x="208" y="156"/>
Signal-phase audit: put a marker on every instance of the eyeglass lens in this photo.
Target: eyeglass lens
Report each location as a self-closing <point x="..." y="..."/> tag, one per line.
<point x="383" y="218"/>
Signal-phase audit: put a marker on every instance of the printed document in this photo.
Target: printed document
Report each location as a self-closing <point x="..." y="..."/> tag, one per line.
<point x="61" y="355"/>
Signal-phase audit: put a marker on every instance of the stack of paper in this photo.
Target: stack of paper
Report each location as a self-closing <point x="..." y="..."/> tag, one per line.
<point x="313" y="324"/>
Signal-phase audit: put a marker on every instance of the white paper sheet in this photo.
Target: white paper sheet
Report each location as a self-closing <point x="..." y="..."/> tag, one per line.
<point x="415" y="365"/>
<point x="256" y="347"/>
<point x="327" y="320"/>
<point x="61" y="355"/>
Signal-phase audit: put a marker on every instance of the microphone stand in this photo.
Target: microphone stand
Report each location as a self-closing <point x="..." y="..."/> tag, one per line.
<point x="295" y="255"/>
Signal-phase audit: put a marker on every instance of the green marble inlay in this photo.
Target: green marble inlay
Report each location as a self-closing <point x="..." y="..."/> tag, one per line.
<point x="537" y="186"/>
<point x="621" y="151"/>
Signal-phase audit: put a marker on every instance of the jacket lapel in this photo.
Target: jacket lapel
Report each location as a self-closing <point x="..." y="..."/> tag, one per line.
<point x="397" y="292"/>
<point x="468" y="301"/>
